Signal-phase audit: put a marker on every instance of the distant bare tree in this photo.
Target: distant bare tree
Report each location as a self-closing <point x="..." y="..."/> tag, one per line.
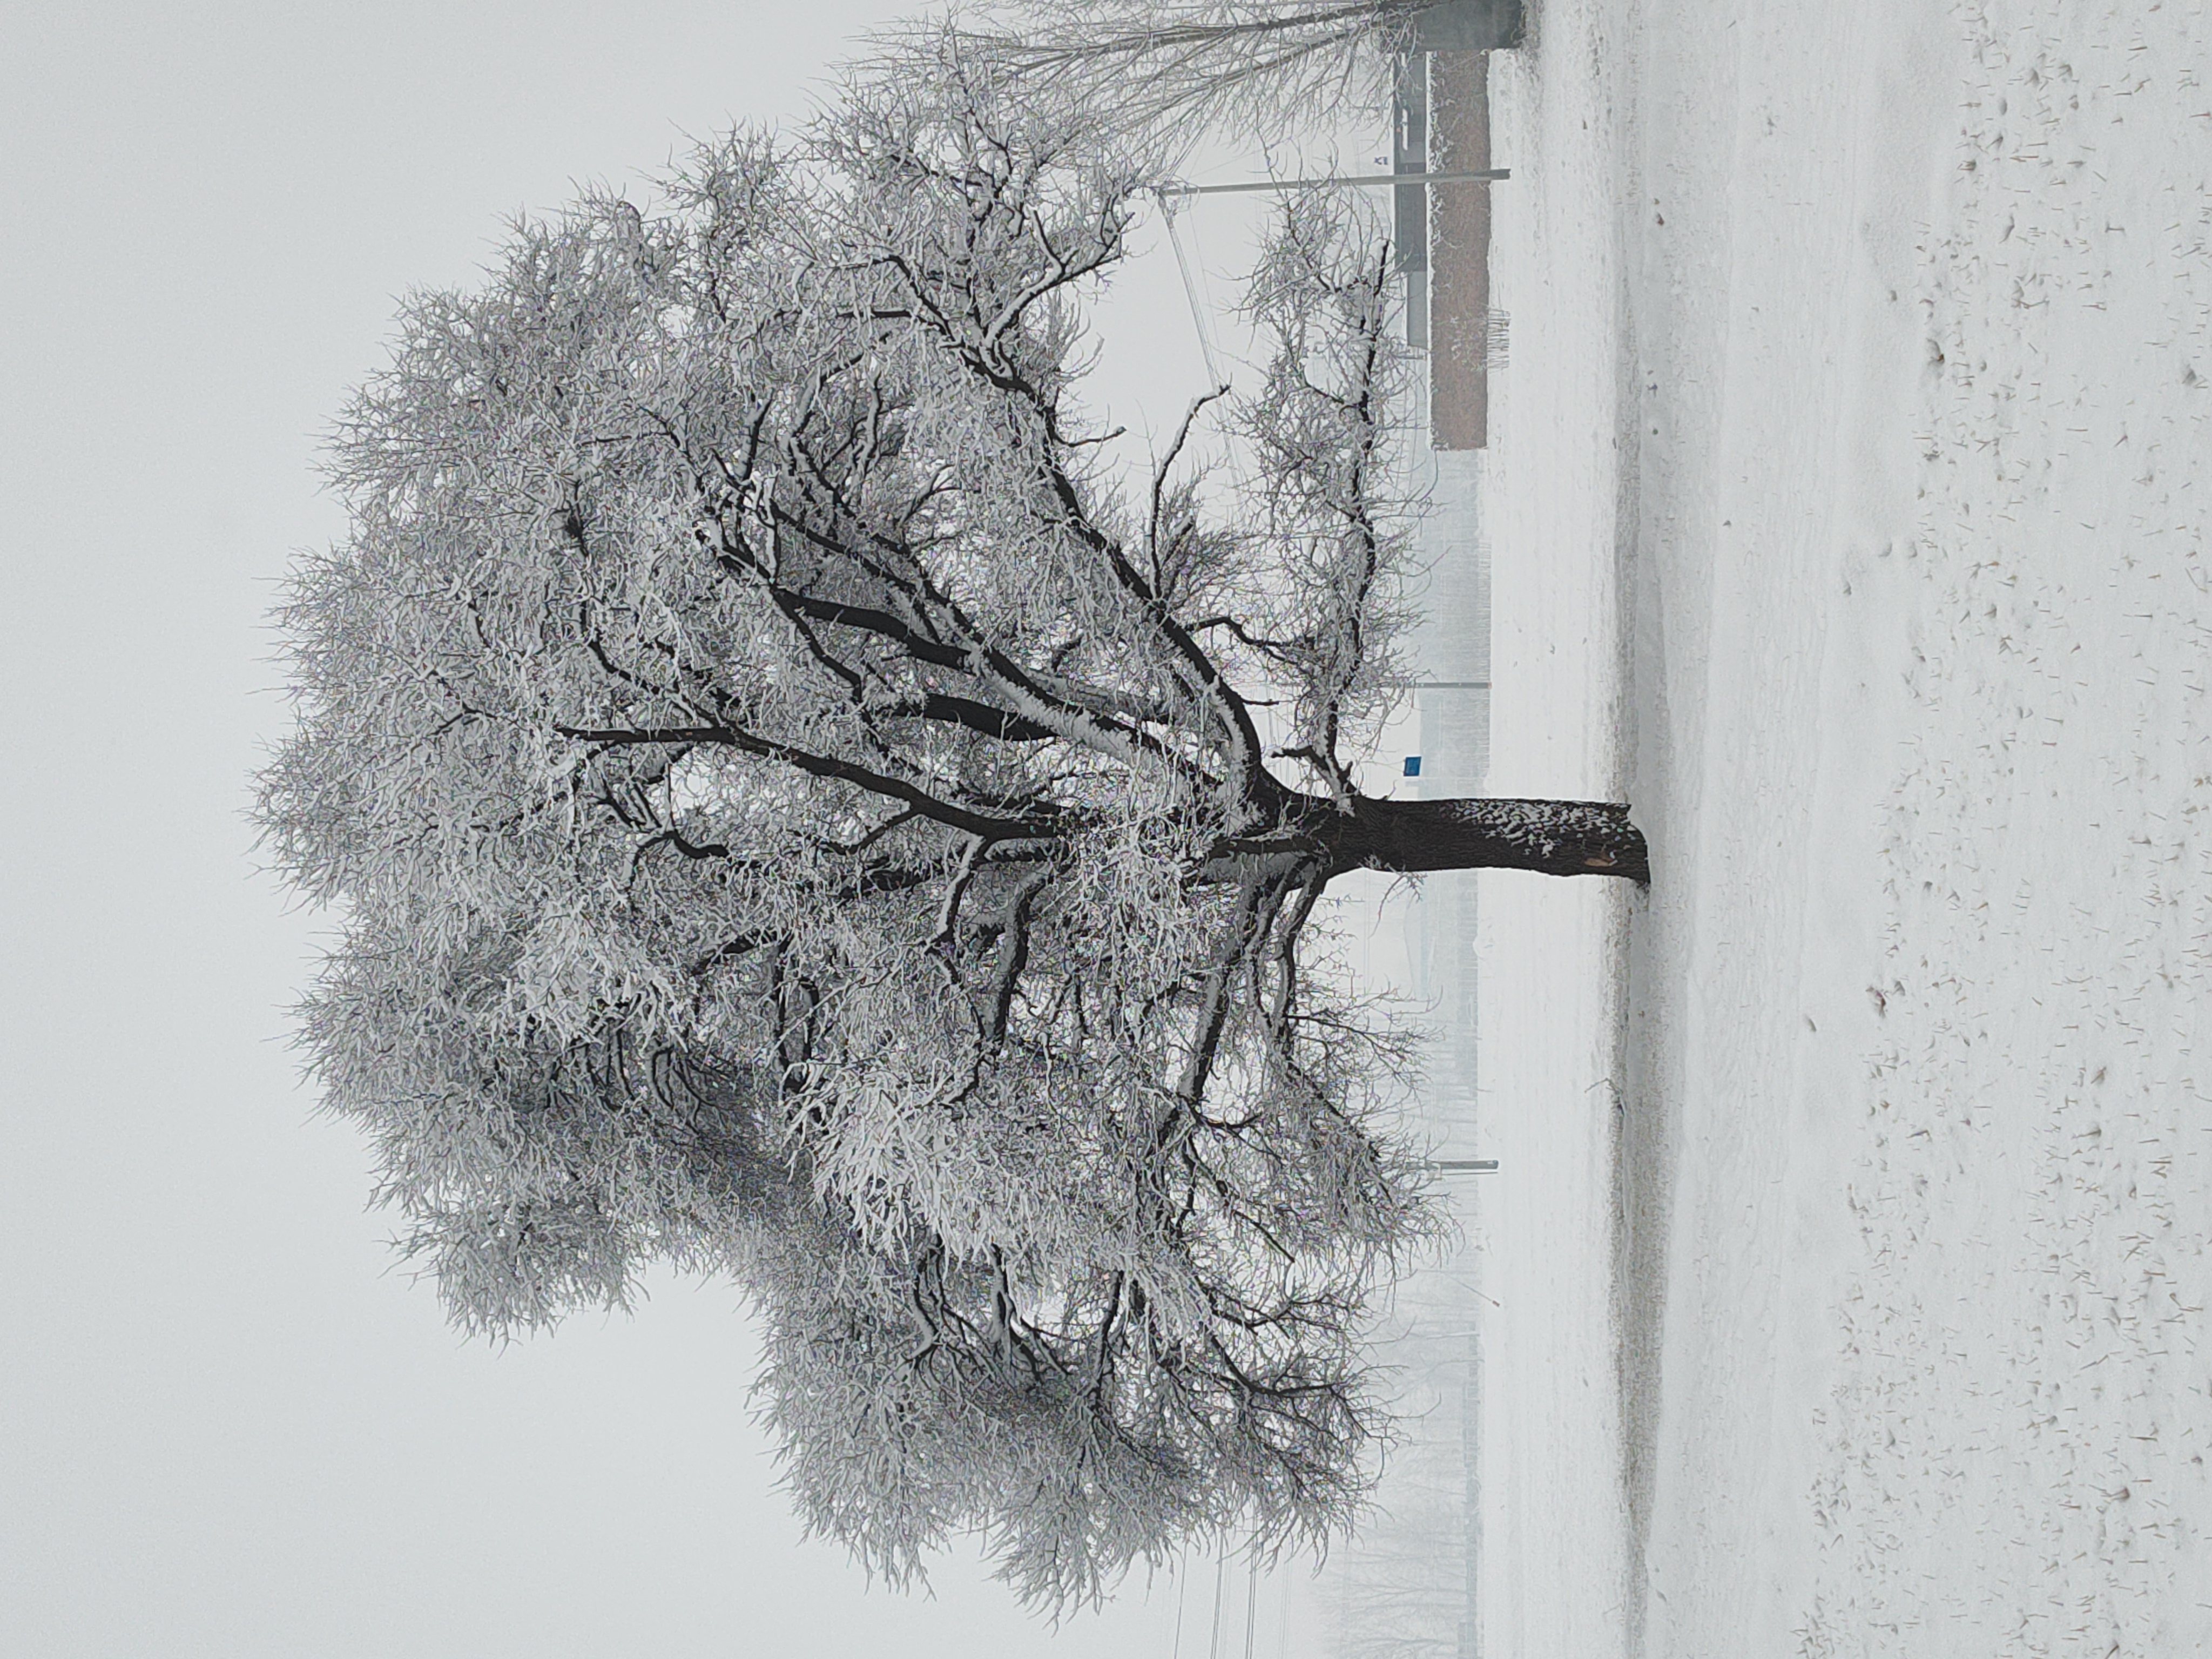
<point x="796" y="811"/>
<point x="1168" y="71"/>
<point x="1399" y="1589"/>
<point x="1172" y="70"/>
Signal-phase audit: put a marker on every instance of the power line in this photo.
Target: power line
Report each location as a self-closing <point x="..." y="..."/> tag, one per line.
<point x="1182" y="1588"/>
<point x="1190" y="292"/>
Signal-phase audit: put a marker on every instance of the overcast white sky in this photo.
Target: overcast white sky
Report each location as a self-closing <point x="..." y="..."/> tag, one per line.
<point x="226" y="1426"/>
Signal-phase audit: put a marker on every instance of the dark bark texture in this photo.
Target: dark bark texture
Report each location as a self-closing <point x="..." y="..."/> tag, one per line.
<point x="1551" y="837"/>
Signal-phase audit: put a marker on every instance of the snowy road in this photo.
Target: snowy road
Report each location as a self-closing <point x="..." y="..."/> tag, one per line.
<point x="1860" y="380"/>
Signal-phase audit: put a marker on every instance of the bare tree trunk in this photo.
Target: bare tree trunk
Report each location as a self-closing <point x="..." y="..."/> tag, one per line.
<point x="1552" y="837"/>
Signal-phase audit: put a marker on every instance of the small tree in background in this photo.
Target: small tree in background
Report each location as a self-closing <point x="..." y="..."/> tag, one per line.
<point x="1170" y="70"/>
<point x="798" y="812"/>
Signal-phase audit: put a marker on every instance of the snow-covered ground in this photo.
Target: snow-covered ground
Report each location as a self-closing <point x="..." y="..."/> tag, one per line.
<point x="1848" y="1254"/>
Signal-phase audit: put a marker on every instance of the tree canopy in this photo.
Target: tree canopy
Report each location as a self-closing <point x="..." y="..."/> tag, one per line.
<point x="796" y="811"/>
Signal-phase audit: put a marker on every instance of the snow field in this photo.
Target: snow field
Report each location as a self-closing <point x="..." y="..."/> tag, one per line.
<point x="1861" y="357"/>
<point x="1551" y="1577"/>
<point x="2012" y="1460"/>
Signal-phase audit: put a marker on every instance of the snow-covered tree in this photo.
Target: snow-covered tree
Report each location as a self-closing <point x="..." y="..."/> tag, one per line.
<point x="1174" y="69"/>
<point x="796" y="811"/>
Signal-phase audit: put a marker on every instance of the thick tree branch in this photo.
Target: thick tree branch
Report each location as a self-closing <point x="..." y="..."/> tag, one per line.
<point x="827" y="767"/>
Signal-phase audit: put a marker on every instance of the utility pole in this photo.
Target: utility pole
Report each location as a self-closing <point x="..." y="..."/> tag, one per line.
<point x="1488" y="175"/>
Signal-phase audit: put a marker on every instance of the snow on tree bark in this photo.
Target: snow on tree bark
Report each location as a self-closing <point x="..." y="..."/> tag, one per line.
<point x="1550" y="838"/>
